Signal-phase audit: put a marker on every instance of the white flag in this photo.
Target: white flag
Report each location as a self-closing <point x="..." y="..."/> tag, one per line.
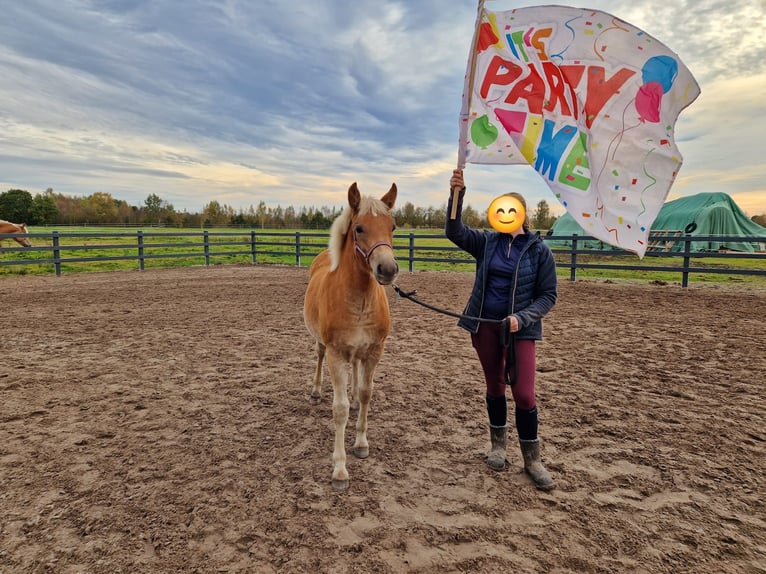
<point x="586" y="99"/>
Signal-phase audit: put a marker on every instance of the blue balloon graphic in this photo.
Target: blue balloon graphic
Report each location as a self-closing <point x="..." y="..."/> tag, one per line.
<point x="660" y="69"/>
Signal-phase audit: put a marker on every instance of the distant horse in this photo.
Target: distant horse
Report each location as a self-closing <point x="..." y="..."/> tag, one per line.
<point x="8" y="227"/>
<point x="346" y="311"/>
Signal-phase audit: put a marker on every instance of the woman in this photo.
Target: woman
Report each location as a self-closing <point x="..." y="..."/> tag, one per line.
<point x="515" y="280"/>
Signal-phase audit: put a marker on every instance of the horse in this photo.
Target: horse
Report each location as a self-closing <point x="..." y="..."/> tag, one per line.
<point x="8" y="227"/>
<point x="346" y="312"/>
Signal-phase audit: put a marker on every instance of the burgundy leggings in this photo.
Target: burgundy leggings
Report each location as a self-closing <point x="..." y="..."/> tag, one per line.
<point x="492" y="357"/>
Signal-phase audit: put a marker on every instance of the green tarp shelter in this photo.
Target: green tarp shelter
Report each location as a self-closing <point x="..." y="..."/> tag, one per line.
<point x="703" y="214"/>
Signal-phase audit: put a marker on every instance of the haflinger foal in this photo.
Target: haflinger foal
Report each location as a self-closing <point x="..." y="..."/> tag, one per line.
<point x="346" y="311"/>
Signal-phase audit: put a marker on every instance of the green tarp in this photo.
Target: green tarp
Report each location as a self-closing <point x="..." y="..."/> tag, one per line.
<point x="703" y="214"/>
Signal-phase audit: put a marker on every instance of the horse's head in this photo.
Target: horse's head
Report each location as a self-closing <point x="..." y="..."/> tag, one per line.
<point x="8" y="227"/>
<point x="23" y="240"/>
<point x="372" y="227"/>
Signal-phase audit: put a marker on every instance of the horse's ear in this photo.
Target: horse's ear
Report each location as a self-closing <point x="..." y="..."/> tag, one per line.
<point x="354" y="197"/>
<point x="390" y="198"/>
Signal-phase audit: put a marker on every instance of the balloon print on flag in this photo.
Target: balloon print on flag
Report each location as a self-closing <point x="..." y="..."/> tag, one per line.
<point x="586" y="99"/>
<point x="658" y="75"/>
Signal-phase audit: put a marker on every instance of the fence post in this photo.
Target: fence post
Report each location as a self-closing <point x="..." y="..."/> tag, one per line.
<point x="207" y="247"/>
<point x="412" y="252"/>
<point x="252" y="245"/>
<point x="298" y="248"/>
<point x="56" y="253"/>
<point x="687" y="261"/>
<point x="573" y="261"/>
<point x="140" y="235"/>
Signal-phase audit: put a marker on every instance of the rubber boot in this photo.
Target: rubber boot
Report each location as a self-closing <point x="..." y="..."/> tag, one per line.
<point x="530" y="450"/>
<point x="496" y="457"/>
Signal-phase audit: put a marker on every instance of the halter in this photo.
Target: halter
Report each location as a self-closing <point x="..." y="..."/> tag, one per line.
<point x="367" y="254"/>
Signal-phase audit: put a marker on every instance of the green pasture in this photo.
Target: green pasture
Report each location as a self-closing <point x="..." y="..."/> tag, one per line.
<point x="171" y="247"/>
<point x="719" y="264"/>
<point x="162" y="248"/>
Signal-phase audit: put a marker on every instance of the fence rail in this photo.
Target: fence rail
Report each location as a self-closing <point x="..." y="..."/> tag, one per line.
<point x="62" y="250"/>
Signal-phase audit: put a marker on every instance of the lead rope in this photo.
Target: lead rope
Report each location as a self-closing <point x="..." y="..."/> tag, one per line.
<point x="507" y="339"/>
<point x="410" y="295"/>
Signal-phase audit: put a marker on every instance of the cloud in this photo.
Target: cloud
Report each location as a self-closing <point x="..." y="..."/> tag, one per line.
<point x="289" y="103"/>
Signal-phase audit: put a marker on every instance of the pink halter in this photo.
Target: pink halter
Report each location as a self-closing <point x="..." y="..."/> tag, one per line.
<point x="367" y="254"/>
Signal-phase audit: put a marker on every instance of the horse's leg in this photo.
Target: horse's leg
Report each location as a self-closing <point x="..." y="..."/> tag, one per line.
<point x="316" y="388"/>
<point x="354" y="399"/>
<point x="339" y="373"/>
<point x="361" y="448"/>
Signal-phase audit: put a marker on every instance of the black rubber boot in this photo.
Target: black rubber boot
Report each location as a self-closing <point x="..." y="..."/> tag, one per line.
<point x="496" y="457"/>
<point x="533" y="466"/>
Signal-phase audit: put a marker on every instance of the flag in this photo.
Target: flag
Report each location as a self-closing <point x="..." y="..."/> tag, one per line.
<point x="586" y="99"/>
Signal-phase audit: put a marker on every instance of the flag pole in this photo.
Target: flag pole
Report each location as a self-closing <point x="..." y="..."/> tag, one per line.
<point x="464" y="111"/>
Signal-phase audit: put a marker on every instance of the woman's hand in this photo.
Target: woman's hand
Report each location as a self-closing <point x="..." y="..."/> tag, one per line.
<point x="456" y="181"/>
<point x="513" y="323"/>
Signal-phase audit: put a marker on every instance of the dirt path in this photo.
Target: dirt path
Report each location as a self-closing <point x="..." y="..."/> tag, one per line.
<point x="159" y="422"/>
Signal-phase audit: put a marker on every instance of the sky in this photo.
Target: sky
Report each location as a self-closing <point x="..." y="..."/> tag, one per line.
<point x="243" y="101"/>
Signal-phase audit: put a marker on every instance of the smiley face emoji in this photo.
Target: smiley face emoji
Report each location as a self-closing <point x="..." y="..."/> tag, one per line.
<point x="506" y="214"/>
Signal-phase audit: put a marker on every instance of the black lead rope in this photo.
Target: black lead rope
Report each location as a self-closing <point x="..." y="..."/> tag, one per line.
<point x="507" y="339"/>
<point x="411" y="296"/>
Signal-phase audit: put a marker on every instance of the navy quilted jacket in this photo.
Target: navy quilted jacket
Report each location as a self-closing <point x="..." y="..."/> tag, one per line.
<point x="535" y="286"/>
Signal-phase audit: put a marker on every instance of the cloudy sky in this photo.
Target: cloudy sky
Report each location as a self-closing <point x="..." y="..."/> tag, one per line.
<point x="242" y="101"/>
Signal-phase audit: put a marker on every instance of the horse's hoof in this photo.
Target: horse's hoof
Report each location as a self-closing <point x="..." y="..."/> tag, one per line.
<point x="361" y="452"/>
<point x="340" y="485"/>
<point x="315" y="400"/>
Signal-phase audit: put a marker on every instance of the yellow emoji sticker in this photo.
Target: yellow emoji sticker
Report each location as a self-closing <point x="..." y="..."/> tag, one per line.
<point x="506" y="214"/>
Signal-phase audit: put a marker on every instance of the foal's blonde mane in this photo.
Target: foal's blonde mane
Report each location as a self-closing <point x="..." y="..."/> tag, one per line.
<point x="17" y="225"/>
<point x="339" y="228"/>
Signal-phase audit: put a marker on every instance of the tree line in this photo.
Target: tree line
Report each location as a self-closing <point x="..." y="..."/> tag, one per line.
<point x="51" y="208"/>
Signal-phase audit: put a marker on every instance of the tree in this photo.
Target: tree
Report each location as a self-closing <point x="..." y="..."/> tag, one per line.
<point x="16" y="206"/>
<point x="313" y="219"/>
<point x="408" y="214"/>
<point x="190" y="219"/>
<point x="157" y="210"/>
<point x="126" y="213"/>
<point x="277" y="217"/>
<point x="100" y="207"/>
<point x="439" y="217"/>
<point x="154" y="207"/>
<point x="428" y="216"/>
<point x="70" y="209"/>
<point x="261" y="213"/>
<point x="470" y="217"/>
<point x="169" y="214"/>
<point x="542" y="218"/>
<point x="214" y="214"/>
<point x="44" y="210"/>
<point x="290" y="217"/>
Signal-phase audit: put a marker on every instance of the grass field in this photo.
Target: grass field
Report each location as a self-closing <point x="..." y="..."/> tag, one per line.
<point x="87" y="249"/>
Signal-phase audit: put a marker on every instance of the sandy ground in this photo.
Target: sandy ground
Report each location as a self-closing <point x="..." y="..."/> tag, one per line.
<point x="159" y="421"/>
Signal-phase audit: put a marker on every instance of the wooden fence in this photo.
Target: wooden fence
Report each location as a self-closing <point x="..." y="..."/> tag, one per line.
<point x="62" y="250"/>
